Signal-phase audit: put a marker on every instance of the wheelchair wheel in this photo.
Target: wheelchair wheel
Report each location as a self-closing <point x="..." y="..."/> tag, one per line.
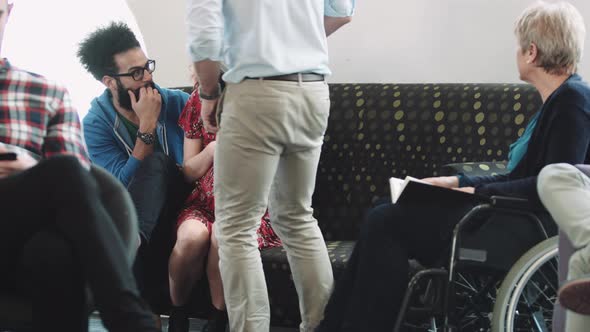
<point x="525" y="299"/>
<point x="475" y="294"/>
<point x="473" y="302"/>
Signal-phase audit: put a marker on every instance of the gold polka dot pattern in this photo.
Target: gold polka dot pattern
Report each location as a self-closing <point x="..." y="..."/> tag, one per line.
<point x="410" y="129"/>
<point x="376" y="131"/>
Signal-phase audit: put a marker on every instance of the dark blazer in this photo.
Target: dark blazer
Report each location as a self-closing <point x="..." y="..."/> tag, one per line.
<point x="562" y="135"/>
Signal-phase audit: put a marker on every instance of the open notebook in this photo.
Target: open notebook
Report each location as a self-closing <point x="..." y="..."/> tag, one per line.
<point x="397" y="186"/>
<point x="412" y="190"/>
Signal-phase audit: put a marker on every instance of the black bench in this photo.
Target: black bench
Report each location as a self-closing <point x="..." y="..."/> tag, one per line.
<point x="376" y="131"/>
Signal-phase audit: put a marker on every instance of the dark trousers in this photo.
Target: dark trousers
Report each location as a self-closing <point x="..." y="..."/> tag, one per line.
<point x="158" y="191"/>
<point x="50" y="275"/>
<point x="54" y="225"/>
<point x="368" y="295"/>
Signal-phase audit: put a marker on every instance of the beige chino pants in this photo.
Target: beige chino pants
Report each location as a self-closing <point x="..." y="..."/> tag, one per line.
<point x="267" y="153"/>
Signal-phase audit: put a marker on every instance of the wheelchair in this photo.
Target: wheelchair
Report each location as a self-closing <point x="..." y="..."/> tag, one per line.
<point x="472" y="292"/>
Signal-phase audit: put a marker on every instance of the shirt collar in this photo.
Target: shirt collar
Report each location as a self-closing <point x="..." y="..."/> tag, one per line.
<point x="4" y="65"/>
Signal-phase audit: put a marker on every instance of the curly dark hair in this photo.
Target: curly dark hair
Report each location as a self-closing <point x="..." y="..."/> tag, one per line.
<point x="97" y="51"/>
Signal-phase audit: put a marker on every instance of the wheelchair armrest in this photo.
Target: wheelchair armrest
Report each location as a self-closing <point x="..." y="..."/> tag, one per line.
<point x="512" y="203"/>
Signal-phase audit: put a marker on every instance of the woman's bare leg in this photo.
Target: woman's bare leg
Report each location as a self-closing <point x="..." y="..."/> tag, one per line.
<point x="186" y="262"/>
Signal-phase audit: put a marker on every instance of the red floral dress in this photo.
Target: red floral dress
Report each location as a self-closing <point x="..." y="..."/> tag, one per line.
<point x="200" y="205"/>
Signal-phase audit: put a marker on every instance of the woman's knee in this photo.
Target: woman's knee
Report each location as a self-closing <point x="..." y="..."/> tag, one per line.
<point x="157" y="170"/>
<point x="156" y="157"/>
<point x="66" y="179"/>
<point x="192" y="236"/>
<point x="63" y="168"/>
<point x="157" y="162"/>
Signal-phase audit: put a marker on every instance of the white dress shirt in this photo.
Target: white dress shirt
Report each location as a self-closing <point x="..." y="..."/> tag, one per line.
<point x="260" y="38"/>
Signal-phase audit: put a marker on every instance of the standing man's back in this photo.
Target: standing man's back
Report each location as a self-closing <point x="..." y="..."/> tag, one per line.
<point x="273" y="117"/>
<point x="267" y="38"/>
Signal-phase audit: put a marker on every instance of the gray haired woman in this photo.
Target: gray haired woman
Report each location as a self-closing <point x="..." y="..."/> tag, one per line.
<point x="550" y="41"/>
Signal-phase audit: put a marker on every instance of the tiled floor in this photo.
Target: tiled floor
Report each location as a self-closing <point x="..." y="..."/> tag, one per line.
<point x="196" y="326"/>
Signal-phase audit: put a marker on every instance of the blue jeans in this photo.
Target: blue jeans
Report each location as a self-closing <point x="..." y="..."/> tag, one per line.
<point x="158" y="191"/>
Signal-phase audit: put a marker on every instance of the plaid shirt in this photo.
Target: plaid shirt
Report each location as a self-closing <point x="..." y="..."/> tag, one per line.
<point x="37" y="115"/>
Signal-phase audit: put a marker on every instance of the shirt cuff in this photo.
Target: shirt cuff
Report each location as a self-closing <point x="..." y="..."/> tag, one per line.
<point x="339" y="8"/>
<point x="129" y="169"/>
<point x="210" y="52"/>
<point x="133" y="163"/>
<point x="464" y="180"/>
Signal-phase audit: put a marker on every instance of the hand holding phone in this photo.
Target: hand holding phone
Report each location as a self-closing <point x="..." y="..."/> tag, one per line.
<point x="7" y="156"/>
<point x="11" y="163"/>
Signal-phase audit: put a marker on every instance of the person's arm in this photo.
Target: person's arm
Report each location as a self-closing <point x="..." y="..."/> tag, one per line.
<point x="461" y="180"/>
<point x="337" y="13"/>
<point x="64" y="133"/>
<point x="443" y="181"/>
<point x="567" y="142"/>
<point x="477" y="180"/>
<point x="208" y="72"/>
<point x="197" y="160"/>
<point x="331" y="24"/>
<point x="148" y="109"/>
<point x="205" y="37"/>
<point x="521" y="188"/>
<point x="106" y="151"/>
<point x="23" y="161"/>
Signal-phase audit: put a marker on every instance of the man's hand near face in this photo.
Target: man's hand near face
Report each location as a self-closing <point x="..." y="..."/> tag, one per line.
<point x="147" y="108"/>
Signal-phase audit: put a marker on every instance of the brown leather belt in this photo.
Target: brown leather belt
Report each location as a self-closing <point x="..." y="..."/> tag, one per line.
<point x="311" y="77"/>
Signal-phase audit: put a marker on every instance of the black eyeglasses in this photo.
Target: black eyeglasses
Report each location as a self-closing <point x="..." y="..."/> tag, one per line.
<point x="137" y="72"/>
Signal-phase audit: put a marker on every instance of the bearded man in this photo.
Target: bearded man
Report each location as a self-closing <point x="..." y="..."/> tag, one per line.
<point x="131" y="130"/>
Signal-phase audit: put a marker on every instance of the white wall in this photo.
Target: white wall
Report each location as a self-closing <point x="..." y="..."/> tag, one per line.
<point x="43" y="37"/>
<point x="388" y="41"/>
<point x="164" y="33"/>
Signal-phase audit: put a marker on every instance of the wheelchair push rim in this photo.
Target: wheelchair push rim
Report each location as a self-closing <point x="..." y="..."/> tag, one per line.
<point x="529" y="274"/>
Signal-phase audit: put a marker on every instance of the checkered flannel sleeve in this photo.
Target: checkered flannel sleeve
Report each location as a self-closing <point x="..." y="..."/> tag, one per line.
<point x="64" y="133"/>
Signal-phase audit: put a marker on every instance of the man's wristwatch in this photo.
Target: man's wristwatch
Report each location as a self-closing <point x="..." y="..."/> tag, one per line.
<point x="214" y="96"/>
<point x="147" y="138"/>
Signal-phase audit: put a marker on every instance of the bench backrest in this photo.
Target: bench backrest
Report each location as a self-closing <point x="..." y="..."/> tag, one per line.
<point x="376" y="131"/>
<point x="381" y="130"/>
